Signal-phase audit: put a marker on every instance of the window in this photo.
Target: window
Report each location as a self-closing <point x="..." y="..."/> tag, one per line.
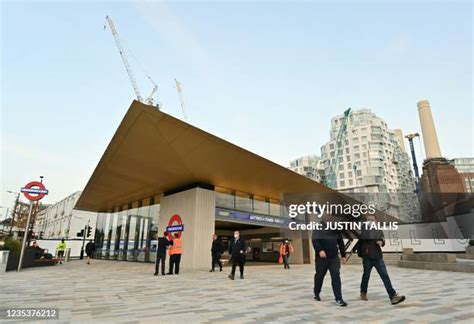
<point x="261" y="205"/>
<point x="341" y="175"/>
<point x="243" y="201"/>
<point x="224" y="198"/>
<point x="341" y="183"/>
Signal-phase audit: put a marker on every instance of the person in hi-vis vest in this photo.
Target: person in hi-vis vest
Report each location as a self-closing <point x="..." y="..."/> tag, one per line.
<point x="175" y="252"/>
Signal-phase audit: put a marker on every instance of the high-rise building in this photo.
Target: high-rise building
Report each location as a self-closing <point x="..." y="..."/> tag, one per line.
<point x="465" y="168"/>
<point x="310" y="166"/>
<point x="371" y="159"/>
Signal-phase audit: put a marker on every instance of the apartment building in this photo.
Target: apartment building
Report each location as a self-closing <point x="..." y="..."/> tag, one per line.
<point x="371" y="158"/>
<point x="61" y="220"/>
<point x="310" y="166"/>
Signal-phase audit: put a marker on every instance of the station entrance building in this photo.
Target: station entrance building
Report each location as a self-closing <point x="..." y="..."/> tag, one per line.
<point x="159" y="171"/>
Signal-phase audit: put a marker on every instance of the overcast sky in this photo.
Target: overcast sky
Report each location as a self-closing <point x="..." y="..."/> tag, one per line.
<point x="267" y="76"/>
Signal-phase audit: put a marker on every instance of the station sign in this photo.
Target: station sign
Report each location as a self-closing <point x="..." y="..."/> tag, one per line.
<point x="34" y="191"/>
<point x="175" y="225"/>
<point x="251" y="218"/>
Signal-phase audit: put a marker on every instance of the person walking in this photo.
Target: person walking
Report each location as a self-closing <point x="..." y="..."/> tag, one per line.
<point x="286" y="248"/>
<point x="90" y="249"/>
<point x="61" y="247"/>
<point x="175" y="252"/>
<point x="237" y="250"/>
<point x="163" y="244"/>
<point x="369" y="248"/>
<point x="326" y="244"/>
<point x="216" y="252"/>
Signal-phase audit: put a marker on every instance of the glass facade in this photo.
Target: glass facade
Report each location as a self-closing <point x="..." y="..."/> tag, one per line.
<point x="128" y="233"/>
<point x="229" y="199"/>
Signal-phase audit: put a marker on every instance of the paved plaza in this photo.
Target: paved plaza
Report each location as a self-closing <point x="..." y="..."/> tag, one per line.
<point x="125" y="292"/>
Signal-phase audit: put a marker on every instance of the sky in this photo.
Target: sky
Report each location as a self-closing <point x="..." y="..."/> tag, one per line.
<point x="267" y="76"/>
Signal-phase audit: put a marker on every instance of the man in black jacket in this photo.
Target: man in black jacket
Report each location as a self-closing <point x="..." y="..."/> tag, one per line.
<point x="216" y="252"/>
<point x="326" y="244"/>
<point x="163" y="244"/>
<point x="237" y="252"/>
<point x="369" y="248"/>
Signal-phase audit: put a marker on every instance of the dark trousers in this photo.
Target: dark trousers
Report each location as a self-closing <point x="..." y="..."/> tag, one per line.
<point x="322" y="267"/>
<point x="175" y="259"/>
<point x="286" y="261"/>
<point x="382" y="270"/>
<point x="216" y="259"/>
<point x="240" y="261"/>
<point x="160" y="258"/>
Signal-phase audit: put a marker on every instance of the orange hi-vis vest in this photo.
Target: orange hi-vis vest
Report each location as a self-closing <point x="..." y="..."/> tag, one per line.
<point x="283" y="249"/>
<point x="177" y="247"/>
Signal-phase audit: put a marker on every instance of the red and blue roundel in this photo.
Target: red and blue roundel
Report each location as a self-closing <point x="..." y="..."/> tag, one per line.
<point x="175" y="225"/>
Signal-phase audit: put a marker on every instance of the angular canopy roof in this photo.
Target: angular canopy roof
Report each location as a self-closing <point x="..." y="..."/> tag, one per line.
<point x="153" y="152"/>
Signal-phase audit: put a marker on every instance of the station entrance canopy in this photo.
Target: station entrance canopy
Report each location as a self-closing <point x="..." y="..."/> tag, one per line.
<point x="152" y="153"/>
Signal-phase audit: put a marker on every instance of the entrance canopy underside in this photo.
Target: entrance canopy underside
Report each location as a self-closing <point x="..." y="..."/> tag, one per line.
<point x="152" y="153"/>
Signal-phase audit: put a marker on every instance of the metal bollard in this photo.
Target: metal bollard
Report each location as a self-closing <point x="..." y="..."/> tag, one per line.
<point x="67" y="255"/>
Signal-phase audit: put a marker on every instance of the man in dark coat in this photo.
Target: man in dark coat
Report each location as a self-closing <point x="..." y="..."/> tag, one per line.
<point x="90" y="249"/>
<point x="326" y="244"/>
<point x="163" y="244"/>
<point x="216" y="252"/>
<point x="369" y="248"/>
<point x="237" y="249"/>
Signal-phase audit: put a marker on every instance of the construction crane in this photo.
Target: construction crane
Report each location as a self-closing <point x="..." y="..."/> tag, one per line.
<point x="341" y="136"/>
<point x="149" y="100"/>
<point x="410" y="138"/>
<point x="179" y="89"/>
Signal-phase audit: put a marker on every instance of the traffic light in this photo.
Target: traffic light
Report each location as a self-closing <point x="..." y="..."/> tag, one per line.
<point x="81" y="233"/>
<point x="89" y="230"/>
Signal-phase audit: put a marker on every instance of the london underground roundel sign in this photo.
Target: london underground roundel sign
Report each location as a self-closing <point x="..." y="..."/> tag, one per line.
<point x="34" y="190"/>
<point x="175" y="225"/>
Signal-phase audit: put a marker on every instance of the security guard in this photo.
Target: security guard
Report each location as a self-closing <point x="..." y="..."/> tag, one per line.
<point x="175" y="252"/>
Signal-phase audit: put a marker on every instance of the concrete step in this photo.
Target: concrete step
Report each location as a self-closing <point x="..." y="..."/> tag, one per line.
<point x="464" y="266"/>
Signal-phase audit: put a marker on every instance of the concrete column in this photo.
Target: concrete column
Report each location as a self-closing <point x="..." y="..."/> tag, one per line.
<point x="196" y="207"/>
<point x="430" y="138"/>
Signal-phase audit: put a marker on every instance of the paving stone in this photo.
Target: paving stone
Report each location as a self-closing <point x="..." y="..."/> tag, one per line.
<point x="125" y="292"/>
